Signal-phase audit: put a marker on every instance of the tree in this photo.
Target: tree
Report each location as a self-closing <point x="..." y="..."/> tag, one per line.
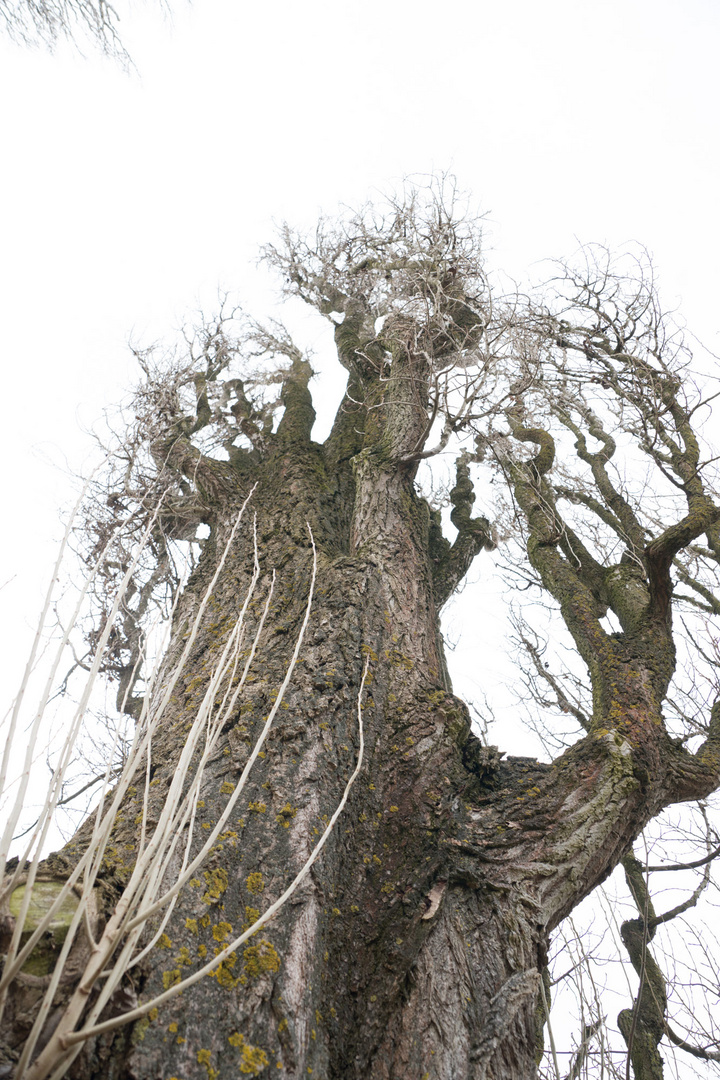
<point x="46" y="22"/>
<point x="303" y="702"/>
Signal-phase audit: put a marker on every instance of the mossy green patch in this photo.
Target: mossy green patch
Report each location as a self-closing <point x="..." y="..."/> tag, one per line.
<point x="44" y="893"/>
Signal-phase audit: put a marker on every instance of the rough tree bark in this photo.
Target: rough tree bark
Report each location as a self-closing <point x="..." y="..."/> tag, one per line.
<point x="416" y="948"/>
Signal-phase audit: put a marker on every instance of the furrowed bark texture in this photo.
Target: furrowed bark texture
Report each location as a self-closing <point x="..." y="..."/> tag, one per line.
<point x="415" y="949"/>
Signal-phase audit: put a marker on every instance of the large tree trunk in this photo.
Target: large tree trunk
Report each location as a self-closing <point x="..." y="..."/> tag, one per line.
<point x="415" y="949"/>
<point x="416" y="946"/>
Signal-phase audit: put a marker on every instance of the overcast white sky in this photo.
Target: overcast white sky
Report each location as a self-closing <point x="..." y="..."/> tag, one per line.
<point x="128" y="199"/>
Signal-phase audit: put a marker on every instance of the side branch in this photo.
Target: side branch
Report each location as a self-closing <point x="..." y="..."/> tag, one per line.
<point x="696" y="776"/>
<point x="570" y="574"/>
<point x="659" y="554"/>
<point x="451" y="563"/>
<point x="643" y="1026"/>
<point x="212" y="480"/>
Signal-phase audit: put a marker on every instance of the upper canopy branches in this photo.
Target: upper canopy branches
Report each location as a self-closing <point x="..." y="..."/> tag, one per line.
<point x="430" y="353"/>
<point x="581" y="395"/>
<point x="415" y="256"/>
<point x="616" y="406"/>
<point x="416" y="325"/>
<point x="606" y="464"/>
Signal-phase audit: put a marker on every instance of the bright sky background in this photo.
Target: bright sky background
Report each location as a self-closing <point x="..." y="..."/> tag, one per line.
<point x="128" y="199"/>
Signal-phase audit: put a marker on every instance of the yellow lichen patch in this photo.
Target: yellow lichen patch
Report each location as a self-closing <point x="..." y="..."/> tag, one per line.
<point x="183" y="957"/>
<point x="260" y="958"/>
<point x="217" y="883"/>
<point x="202" y="951"/>
<point x="191" y="925"/>
<point x="285" y="816"/>
<point x="252" y="1059"/>
<point x="254" y="882"/>
<point x="226" y="788"/>
<point x="221" y="931"/>
<point x="223" y="973"/>
<point x="171" y="978"/>
<point x="257" y="807"/>
<point x="173" y="1027"/>
<point x="399" y="659"/>
<point x="203" y="1058"/>
<point x="153" y="1014"/>
<point x="164" y="942"/>
<point x="252" y="915"/>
